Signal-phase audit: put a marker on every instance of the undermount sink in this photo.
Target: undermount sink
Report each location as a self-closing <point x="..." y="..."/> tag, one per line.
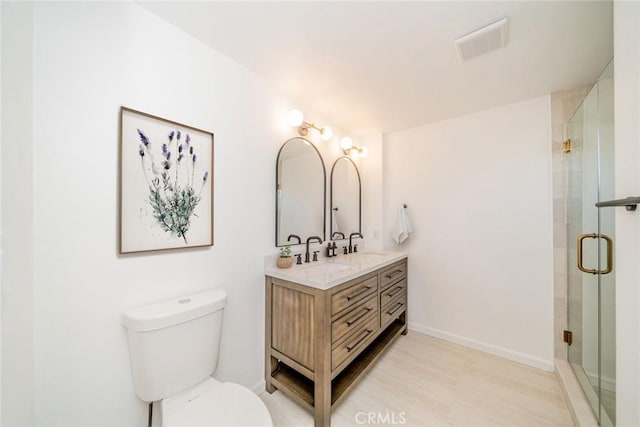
<point x="327" y="267"/>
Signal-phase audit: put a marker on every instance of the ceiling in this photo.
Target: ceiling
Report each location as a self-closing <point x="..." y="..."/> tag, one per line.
<point x="385" y="66"/>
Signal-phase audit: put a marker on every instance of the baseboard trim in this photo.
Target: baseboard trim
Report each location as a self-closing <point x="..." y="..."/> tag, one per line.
<point x="546" y="365"/>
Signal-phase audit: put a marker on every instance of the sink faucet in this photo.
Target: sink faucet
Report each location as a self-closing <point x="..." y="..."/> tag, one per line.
<point x="306" y="254"/>
<point x="294" y="236"/>
<point x="333" y="236"/>
<point x="351" y="237"/>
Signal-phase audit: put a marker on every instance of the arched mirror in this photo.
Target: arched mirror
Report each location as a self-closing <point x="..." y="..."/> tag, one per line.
<point x="300" y="192"/>
<point x="345" y="199"/>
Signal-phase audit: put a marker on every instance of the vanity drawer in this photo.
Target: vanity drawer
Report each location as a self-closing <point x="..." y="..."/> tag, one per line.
<point x="387" y="295"/>
<point x="351" y="295"/>
<point x="392" y="274"/>
<point x="353" y="343"/>
<point x="392" y="310"/>
<point x="354" y="318"/>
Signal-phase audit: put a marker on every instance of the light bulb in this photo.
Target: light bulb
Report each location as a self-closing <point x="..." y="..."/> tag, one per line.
<point x="295" y="118"/>
<point x="363" y="152"/>
<point x="346" y="143"/>
<point x="327" y="133"/>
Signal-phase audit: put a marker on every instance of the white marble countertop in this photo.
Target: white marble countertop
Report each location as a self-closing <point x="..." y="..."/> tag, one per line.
<point x="329" y="272"/>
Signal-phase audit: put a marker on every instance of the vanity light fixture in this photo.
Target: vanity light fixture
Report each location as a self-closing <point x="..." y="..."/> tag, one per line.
<point x="348" y="148"/>
<point x="296" y="119"/>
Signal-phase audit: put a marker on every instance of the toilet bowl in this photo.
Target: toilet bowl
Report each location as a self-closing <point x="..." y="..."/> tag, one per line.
<point x="174" y="348"/>
<point x="214" y="403"/>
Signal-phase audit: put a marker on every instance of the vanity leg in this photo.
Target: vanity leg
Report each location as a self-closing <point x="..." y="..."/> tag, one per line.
<point x="270" y="363"/>
<point x="322" y="385"/>
<point x="322" y="403"/>
<point x="403" y="317"/>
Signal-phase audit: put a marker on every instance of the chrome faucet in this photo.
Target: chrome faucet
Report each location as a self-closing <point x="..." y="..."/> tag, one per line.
<point x="306" y="254"/>
<point x="351" y="237"/>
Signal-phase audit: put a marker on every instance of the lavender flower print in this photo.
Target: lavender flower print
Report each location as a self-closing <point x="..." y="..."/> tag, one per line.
<point x="143" y="138"/>
<point x="173" y="202"/>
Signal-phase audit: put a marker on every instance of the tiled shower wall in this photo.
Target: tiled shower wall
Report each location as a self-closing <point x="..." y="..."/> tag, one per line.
<point x="563" y="105"/>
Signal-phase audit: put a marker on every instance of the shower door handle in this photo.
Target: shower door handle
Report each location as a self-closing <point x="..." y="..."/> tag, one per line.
<point x="609" y="253"/>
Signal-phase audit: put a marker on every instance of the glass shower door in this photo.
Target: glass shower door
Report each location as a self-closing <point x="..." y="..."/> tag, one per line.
<point x="591" y="277"/>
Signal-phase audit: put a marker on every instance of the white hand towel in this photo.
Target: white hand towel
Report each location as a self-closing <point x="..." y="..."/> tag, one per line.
<point x="402" y="227"/>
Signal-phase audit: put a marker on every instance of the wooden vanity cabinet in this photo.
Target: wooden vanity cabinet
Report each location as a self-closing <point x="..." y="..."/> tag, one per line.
<point x="319" y="342"/>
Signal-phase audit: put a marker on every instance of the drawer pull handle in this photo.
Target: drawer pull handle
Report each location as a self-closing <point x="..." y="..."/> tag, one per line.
<point x="395" y="309"/>
<point x="357" y="343"/>
<point x="360" y="292"/>
<point x="354" y="320"/>
<point x="395" y="291"/>
<point x="393" y="273"/>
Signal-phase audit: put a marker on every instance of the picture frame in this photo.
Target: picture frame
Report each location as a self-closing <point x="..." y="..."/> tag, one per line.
<point x="165" y="184"/>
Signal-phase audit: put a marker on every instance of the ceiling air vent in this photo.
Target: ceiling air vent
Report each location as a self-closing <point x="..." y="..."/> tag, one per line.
<point x="493" y="36"/>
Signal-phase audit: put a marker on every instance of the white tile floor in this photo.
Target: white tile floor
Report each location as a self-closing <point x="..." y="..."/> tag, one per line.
<point x="424" y="381"/>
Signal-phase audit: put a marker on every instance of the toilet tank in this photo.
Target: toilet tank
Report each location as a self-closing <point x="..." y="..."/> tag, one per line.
<point x="174" y="344"/>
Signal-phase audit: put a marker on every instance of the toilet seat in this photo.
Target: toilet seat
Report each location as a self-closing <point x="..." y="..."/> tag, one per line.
<point x="213" y="403"/>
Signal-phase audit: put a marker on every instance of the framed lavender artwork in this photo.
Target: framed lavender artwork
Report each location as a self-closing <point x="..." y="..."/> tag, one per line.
<point x="166" y="184"/>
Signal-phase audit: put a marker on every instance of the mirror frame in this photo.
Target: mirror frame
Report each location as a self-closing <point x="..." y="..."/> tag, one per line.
<point x="324" y="193"/>
<point x="359" y="196"/>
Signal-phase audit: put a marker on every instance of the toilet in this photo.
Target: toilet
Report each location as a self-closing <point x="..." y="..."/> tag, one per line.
<point x="174" y="348"/>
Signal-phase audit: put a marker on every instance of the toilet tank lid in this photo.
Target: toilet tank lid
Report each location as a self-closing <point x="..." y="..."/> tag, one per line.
<point x="174" y="311"/>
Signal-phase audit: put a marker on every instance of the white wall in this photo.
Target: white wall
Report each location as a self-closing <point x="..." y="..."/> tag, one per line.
<point x="372" y="175"/>
<point x="627" y="253"/>
<point x="17" y="216"/>
<point x="478" y="189"/>
<point x="89" y="59"/>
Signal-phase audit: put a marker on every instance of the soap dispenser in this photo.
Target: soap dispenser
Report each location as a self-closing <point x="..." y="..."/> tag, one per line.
<point x="330" y="252"/>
